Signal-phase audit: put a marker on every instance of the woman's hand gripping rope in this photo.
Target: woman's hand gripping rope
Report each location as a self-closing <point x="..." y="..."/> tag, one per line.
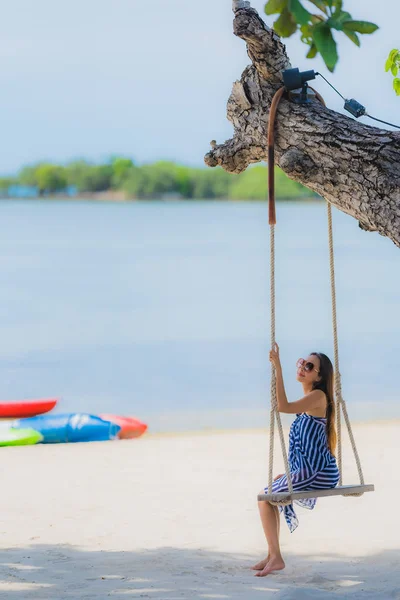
<point x="274" y="357"/>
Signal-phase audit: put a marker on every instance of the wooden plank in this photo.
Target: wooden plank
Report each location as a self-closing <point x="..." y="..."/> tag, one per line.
<point x="337" y="491"/>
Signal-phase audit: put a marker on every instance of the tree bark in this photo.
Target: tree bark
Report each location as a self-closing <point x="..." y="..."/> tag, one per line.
<point x="354" y="166"/>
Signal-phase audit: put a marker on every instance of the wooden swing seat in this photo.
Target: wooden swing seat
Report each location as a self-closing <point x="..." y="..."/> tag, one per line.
<point x="343" y="490"/>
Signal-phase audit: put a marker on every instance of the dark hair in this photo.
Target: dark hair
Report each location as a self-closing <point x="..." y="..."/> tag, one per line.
<point x="326" y="385"/>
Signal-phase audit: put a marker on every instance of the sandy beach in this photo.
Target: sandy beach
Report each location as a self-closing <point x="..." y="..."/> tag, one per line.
<point x="175" y="516"/>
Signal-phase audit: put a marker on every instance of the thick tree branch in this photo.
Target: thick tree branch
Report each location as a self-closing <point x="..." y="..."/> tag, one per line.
<point x="353" y="165"/>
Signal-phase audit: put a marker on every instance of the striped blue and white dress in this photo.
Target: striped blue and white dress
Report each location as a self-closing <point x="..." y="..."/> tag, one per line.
<point x="312" y="466"/>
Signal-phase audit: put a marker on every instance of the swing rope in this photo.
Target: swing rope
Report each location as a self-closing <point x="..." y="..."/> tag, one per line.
<point x="339" y="400"/>
<point x="275" y="414"/>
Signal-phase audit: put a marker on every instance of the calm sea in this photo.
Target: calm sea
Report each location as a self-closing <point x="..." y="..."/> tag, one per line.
<point x="161" y="310"/>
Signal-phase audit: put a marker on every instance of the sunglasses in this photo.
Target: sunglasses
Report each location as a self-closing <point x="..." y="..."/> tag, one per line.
<point x="307" y="366"/>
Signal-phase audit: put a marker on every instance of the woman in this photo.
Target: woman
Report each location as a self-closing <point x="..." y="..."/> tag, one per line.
<point x="312" y="443"/>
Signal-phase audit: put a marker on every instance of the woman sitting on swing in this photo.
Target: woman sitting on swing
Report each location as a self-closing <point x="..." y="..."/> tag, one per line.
<point x="312" y="443"/>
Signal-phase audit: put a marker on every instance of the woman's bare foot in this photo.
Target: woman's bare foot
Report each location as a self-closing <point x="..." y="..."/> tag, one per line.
<point x="259" y="566"/>
<point x="274" y="564"/>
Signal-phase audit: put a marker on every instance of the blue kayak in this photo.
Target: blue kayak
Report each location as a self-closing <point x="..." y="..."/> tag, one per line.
<point x="71" y="427"/>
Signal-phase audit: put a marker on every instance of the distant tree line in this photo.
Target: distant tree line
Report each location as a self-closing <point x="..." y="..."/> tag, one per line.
<point x="151" y="181"/>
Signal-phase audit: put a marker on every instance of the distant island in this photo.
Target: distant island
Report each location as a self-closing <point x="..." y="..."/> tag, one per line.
<point x="121" y="179"/>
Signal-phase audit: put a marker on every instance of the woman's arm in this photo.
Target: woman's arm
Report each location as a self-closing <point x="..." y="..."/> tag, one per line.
<point x="281" y="398"/>
<point x="311" y="401"/>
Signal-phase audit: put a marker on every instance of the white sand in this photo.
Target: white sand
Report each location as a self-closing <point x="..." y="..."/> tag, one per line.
<point x="176" y="517"/>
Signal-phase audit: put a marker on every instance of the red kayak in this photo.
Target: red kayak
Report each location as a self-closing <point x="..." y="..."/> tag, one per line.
<point x="130" y="427"/>
<point x="26" y="408"/>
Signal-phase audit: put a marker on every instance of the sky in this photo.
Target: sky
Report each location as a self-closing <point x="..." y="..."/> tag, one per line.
<point x="150" y="79"/>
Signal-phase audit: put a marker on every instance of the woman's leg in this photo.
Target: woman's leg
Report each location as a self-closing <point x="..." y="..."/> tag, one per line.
<point x="278" y="518"/>
<point x="259" y="566"/>
<point x="271" y="524"/>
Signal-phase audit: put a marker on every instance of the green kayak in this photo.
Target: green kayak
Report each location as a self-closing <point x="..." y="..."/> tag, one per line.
<point x="19" y="437"/>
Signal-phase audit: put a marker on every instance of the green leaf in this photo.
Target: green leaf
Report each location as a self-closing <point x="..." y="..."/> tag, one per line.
<point x="338" y="4"/>
<point x="393" y="61"/>
<point x="396" y="86"/>
<point x="353" y="37"/>
<point x="274" y="7"/>
<point x="312" y="51"/>
<point x="389" y="63"/>
<point x="326" y="45"/>
<point x="317" y="19"/>
<point x="338" y="19"/>
<point x="285" y="25"/>
<point x="306" y="35"/>
<point x="301" y="15"/>
<point x="360" y="26"/>
<point x="320" y="4"/>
